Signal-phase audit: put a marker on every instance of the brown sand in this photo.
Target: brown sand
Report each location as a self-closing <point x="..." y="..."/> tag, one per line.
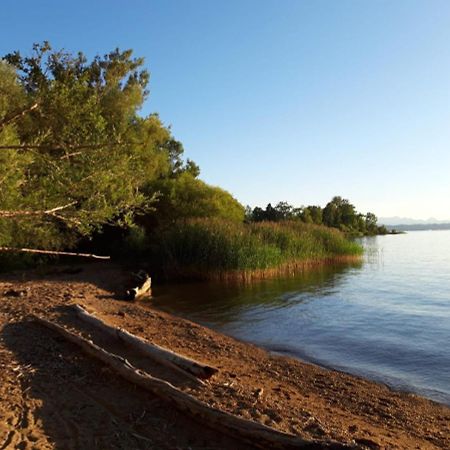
<point x="53" y="396"/>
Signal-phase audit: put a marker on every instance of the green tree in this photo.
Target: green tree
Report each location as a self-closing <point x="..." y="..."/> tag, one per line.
<point x="83" y="149"/>
<point x="258" y="214"/>
<point x="316" y="214"/>
<point x="284" y="211"/>
<point x="305" y="215"/>
<point x="371" y="223"/>
<point x="331" y="217"/>
<point x="13" y="163"/>
<point x="185" y="196"/>
<point x="340" y="213"/>
<point x="281" y="211"/>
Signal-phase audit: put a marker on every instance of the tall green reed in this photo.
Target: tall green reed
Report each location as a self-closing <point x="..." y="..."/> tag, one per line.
<point x="214" y="248"/>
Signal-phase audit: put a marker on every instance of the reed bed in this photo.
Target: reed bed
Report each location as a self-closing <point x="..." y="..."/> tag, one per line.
<point x="217" y="249"/>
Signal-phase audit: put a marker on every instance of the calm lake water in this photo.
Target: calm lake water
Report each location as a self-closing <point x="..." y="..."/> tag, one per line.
<point x="387" y="318"/>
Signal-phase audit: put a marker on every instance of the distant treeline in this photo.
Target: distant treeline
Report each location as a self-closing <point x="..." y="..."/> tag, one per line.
<point x="338" y="213"/>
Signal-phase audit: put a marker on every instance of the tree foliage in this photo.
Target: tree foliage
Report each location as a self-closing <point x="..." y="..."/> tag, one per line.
<point x="184" y="196"/>
<point x="76" y="155"/>
<point x="338" y="213"/>
<point x="83" y="145"/>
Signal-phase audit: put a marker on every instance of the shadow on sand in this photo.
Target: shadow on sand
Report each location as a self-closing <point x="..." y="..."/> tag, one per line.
<point x="74" y="402"/>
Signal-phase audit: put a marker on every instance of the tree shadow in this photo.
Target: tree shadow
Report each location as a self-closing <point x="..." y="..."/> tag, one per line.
<point x="75" y="402"/>
<point x="141" y="361"/>
<point x="111" y="278"/>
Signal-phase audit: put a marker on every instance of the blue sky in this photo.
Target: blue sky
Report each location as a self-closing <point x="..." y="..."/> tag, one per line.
<point x="283" y="100"/>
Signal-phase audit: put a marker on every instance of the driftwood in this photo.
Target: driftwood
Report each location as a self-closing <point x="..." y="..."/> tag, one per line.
<point x="135" y="342"/>
<point x="142" y="289"/>
<point x="51" y="252"/>
<point x="154" y="351"/>
<point x="253" y="433"/>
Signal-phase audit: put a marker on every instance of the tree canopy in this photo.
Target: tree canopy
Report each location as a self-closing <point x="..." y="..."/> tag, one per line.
<point x="337" y="213"/>
<point x="185" y="196"/>
<point x="74" y="151"/>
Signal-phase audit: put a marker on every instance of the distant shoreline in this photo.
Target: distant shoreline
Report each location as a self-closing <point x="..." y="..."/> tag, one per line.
<point x="419" y="227"/>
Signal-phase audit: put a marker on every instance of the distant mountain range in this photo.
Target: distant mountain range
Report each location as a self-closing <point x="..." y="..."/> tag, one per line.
<point x="396" y="220"/>
<point x="406" y="223"/>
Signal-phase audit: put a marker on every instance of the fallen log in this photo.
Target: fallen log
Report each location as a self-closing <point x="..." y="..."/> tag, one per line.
<point x="251" y="432"/>
<point x="133" y="342"/>
<point x="143" y="288"/>
<point x="154" y="351"/>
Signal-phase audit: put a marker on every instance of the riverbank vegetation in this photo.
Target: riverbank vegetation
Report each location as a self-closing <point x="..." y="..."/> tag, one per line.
<point x="222" y="249"/>
<point x="81" y="169"/>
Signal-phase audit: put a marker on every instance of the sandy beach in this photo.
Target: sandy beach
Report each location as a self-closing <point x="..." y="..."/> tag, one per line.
<point x="54" y="396"/>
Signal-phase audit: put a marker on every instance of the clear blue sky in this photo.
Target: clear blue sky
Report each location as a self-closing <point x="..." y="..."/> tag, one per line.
<point x="283" y="100"/>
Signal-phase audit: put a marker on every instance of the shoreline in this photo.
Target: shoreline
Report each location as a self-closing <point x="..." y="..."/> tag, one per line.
<point x="290" y="269"/>
<point x="394" y="385"/>
<point x="279" y="391"/>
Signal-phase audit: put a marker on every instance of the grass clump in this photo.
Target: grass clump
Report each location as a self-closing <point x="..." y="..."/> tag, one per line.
<point x="218" y="249"/>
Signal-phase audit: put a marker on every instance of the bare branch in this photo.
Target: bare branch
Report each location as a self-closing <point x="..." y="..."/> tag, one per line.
<point x="7" y="121"/>
<point x="70" y="220"/>
<point x="48" y="212"/>
<point x="69" y="155"/>
<point x="59" y="208"/>
<point x="51" y="252"/>
<point x="67" y="146"/>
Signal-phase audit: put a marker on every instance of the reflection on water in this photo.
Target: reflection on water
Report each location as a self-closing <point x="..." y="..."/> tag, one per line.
<point x="387" y="318"/>
<point x="220" y="304"/>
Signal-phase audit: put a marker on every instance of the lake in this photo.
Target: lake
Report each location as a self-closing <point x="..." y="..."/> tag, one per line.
<point x="386" y="318"/>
